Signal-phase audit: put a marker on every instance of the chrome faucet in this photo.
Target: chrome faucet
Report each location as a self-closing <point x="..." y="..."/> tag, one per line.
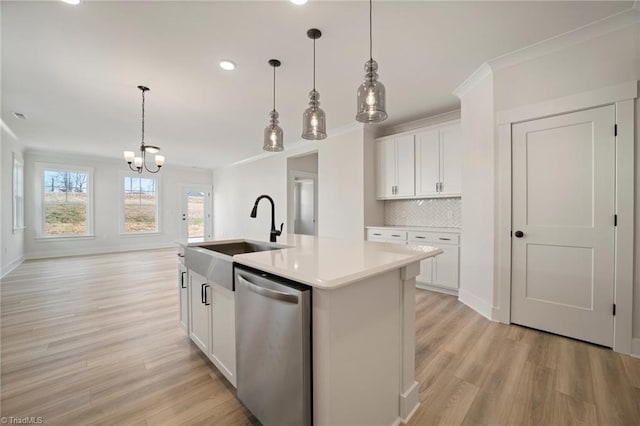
<point x="254" y="212"/>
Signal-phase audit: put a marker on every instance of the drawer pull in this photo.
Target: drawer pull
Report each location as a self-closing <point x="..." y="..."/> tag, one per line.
<point x="422" y="238"/>
<point x="395" y="235"/>
<point x="445" y="239"/>
<point x="376" y="234"/>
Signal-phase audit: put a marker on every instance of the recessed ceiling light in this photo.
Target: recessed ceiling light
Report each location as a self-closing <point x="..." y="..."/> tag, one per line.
<point x="19" y="115"/>
<point x="74" y="2"/>
<point x="298" y="2"/>
<point x="227" y="65"/>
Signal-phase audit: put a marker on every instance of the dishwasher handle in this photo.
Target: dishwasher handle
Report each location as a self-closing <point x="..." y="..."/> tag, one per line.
<point x="266" y="292"/>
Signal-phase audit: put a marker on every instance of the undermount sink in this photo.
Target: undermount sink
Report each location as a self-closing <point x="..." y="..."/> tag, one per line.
<point x="240" y="247"/>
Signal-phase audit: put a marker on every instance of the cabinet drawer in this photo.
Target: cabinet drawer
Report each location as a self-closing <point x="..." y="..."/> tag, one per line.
<point x="387" y="234"/>
<point x="433" y="237"/>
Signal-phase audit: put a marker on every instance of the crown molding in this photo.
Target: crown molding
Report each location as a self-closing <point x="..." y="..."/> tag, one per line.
<point x="601" y="27"/>
<point x="482" y="72"/>
<point x="587" y="32"/>
<point x="431" y="120"/>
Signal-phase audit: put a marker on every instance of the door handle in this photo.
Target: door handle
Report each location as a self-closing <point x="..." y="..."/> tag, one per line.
<point x="519" y="234"/>
<point x="182" y="280"/>
<point x="202" y="293"/>
<point x="437" y="186"/>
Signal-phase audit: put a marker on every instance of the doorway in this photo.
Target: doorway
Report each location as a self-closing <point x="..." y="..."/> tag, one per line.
<point x="302" y="194"/>
<point x="196" y="213"/>
<point x="563" y="222"/>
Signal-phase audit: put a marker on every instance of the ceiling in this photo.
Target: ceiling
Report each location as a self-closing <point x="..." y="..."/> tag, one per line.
<point x="73" y="70"/>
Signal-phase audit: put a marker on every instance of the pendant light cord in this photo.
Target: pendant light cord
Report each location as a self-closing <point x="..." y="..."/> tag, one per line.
<point x="143" y="118"/>
<point x="314" y="64"/>
<point x="370" y="30"/>
<point x="274" y="88"/>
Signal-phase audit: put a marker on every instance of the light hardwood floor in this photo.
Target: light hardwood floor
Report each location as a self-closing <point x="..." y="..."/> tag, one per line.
<point x="96" y="340"/>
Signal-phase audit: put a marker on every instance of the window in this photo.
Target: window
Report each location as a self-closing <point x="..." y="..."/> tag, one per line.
<point x="140" y="205"/>
<point x="66" y="200"/>
<point x="18" y="193"/>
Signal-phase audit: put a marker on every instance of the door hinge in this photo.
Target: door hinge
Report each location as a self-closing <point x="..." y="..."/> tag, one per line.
<point x="614" y="309"/>
<point x="615" y="220"/>
<point x="615" y="130"/>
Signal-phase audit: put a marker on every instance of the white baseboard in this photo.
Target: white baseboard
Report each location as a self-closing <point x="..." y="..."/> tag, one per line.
<point x="475" y="303"/>
<point x="98" y="250"/>
<point x="409" y="402"/>
<point x="635" y="347"/>
<point x="430" y="287"/>
<point x="11" y="266"/>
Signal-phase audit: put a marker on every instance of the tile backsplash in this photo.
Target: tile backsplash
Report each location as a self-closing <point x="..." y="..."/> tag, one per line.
<point x="442" y="212"/>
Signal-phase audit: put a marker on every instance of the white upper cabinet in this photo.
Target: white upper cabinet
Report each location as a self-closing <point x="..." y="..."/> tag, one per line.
<point x="395" y="167"/>
<point x="421" y="164"/>
<point x="451" y="160"/>
<point x="438" y="161"/>
<point x="428" y="163"/>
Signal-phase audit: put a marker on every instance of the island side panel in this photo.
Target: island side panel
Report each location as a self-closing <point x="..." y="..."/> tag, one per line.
<point x="409" y="387"/>
<point x="357" y="354"/>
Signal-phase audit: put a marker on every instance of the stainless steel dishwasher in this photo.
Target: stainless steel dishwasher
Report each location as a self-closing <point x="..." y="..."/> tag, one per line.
<point x="273" y="347"/>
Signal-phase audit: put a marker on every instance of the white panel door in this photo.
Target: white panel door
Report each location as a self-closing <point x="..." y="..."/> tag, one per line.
<point x="563" y="204"/>
<point x="427" y="163"/>
<point x="405" y="167"/>
<point x="451" y="160"/>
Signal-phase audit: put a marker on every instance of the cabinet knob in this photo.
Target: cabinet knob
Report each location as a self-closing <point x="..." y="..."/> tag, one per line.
<point x="519" y="234"/>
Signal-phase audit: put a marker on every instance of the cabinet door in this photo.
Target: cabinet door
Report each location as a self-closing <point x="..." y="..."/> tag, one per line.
<point x="426" y="271"/>
<point x="223" y="331"/>
<point x="445" y="267"/>
<point x="386" y="168"/>
<point x="183" y="288"/>
<point x="405" y="167"/>
<point x="451" y="160"/>
<point x="199" y="314"/>
<point x="427" y="163"/>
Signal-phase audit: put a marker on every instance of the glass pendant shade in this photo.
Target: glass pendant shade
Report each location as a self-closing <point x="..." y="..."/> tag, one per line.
<point x="273" y="135"/>
<point x="314" y="121"/>
<point x="371" y="96"/>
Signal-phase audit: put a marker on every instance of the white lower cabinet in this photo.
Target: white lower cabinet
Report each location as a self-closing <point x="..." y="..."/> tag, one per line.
<point x="223" y="331"/>
<point x="212" y="323"/>
<point x="439" y="272"/>
<point x="183" y="289"/>
<point x="199" y="312"/>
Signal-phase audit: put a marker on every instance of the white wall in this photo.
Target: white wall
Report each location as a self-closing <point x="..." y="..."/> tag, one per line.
<point x="341" y="190"/>
<point x="12" y="245"/>
<point x="479" y="201"/>
<point x="306" y="163"/>
<point x="107" y="175"/>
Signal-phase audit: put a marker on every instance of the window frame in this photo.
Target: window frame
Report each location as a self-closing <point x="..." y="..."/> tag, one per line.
<point x="121" y="192"/>
<point x="17" y="193"/>
<point x="40" y="168"/>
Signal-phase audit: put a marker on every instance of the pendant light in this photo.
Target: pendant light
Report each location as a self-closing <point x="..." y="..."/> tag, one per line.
<point x="140" y="162"/>
<point x="273" y="136"/>
<point x="371" y="93"/>
<point x="314" y="121"/>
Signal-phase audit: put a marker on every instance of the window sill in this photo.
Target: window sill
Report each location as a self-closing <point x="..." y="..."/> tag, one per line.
<point x="65" y="237"/>
<point x="139" y="234"/>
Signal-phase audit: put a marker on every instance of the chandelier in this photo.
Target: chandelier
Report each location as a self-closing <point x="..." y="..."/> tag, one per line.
<point x="140" y="161"/>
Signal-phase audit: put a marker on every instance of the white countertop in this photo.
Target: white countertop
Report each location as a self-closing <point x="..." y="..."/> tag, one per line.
<point x="418" y="228"/>
<point x="329" y="263"/>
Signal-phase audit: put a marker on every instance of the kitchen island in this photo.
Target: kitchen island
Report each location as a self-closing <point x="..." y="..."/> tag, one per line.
<point x="363" y="323"/>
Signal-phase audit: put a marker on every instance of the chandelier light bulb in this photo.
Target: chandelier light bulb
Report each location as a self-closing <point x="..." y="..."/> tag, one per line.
<point x="137" y="162"/>
<point x="129" y="156"/>
<point x="159" y="160"/>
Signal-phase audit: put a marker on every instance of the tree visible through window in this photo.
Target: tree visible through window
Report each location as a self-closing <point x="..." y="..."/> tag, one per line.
<point x="65" y="202"/>
<point x="140" y="204"/>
